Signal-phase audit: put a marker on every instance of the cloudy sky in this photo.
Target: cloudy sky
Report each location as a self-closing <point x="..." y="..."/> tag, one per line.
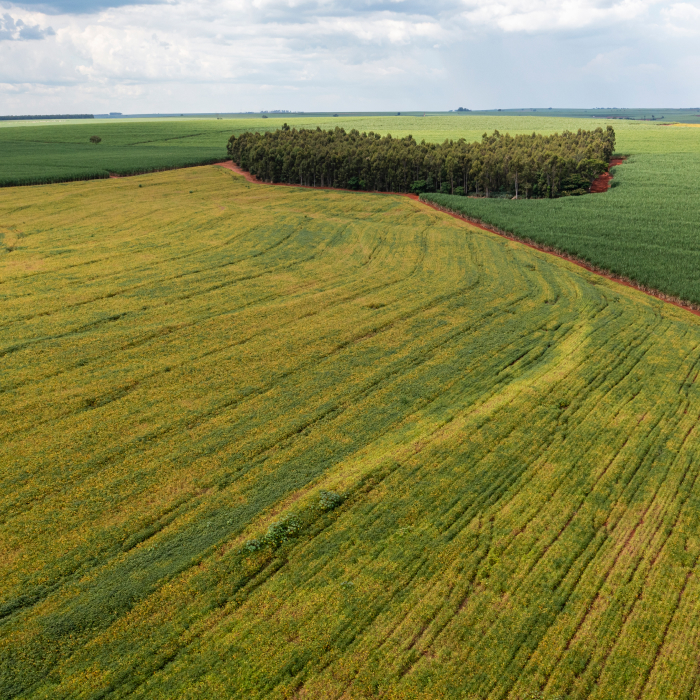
<point x="248" y="55"/>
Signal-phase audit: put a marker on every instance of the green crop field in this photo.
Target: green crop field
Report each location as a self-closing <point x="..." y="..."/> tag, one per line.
<point x="62" y="152"/>
<point x="658" y="114"/>
<point x="41" y="153"/>
<point x="645" y="228"/>
<point x="265" y="442"/>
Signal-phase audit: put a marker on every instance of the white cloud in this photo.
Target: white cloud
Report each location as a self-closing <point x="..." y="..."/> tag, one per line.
<point x="221" y="55"/>
<point x="552" y="15"/>
<point x="683" y="18"/>
<point x="12" y="29"/>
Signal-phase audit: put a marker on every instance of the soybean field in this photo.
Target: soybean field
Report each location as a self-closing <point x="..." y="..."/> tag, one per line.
<point x="267" y="442"/>
<point x="41" y="154"/>
<point x="646" y="228"/>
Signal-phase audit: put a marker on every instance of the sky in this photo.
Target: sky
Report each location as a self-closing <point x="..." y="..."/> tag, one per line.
<point x="97" y="56"/>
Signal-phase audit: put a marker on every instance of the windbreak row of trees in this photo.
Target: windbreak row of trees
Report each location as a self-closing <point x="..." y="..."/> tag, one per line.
<point x="499" y="165"/>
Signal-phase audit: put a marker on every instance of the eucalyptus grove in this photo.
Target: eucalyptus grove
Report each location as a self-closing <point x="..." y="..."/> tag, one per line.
<point x="533" y="165"/>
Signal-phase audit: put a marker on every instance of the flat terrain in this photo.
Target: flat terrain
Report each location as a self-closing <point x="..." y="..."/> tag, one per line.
<point x="62" y="152"/>
<point x="56" y="152"/>
<point x="646" y="228"/>
<point x="42" y="153"/>
<point x="283" y="443"/>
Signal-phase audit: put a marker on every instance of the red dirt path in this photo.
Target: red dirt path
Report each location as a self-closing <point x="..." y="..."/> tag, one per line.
<point x="230" y="165"/>
<point x="479" y="224"/>
<point x="686" y="306"/>
<point x="602" y="183"/>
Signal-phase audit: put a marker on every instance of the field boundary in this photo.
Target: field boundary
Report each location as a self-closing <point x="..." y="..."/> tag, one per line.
<point x="104" y="175"/>
<point x="230" y="165"/>
<point x="542" y="248"/>
<point x="580" y="262"/>
<point x="603" y="182"/>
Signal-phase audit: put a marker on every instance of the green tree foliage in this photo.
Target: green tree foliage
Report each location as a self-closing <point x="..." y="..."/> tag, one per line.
<point x="533" y="165"/>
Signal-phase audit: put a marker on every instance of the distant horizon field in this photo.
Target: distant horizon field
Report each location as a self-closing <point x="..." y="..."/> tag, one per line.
<point x="691" y="115"/>
<point x="46" y="153"/>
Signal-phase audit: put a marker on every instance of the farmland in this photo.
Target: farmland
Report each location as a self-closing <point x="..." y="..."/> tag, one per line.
<point x="58" y="153"/>
<point x="271" y="442"/>
<point x="43" y="153"/>
<point x="645" y="228"/>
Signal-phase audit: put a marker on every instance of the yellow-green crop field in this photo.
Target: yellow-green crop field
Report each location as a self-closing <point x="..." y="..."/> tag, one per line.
<point x="264" y="442"/>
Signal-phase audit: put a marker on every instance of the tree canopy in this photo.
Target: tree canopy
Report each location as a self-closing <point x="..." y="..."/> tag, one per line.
<point x="533" y="165"/>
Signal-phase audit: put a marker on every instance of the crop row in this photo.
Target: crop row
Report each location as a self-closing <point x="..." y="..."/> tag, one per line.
<point x="264" y="442"/>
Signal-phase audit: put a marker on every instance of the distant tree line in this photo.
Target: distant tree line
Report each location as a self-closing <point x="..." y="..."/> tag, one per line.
<point x="499" y="165"/>
<point x="25" y="117"/>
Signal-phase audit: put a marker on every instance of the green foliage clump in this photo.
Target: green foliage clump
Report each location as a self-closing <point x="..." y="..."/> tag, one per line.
<point x="330" y="500"/>
<point x="277" y="534"/>
<point x="290" y="526"/>
<point x="534" y="165"/>
<point x="281" y="530"/>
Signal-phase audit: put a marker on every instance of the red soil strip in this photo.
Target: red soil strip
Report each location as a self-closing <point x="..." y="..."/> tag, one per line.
<point x="230" y="165"/>
<point x="686" y="306"/>
<point x="602" y="182"/>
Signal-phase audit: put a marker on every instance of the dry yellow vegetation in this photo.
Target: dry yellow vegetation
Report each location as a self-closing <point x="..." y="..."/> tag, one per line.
<point x="271" y="442"/>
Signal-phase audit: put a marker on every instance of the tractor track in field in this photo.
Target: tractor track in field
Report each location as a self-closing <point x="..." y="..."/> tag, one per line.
<point x="600" y="185"/>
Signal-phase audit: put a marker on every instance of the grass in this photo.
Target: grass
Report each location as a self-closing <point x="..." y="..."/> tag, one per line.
<point x="271" y="442"/>
<point x="663" y="115"/>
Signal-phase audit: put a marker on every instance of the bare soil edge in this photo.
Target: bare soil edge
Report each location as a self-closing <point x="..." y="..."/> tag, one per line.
<point x="550" y="250"/>
<point x="602" y="182"/>
<point x="230" y="165"/>
<point x="625" y="281"/>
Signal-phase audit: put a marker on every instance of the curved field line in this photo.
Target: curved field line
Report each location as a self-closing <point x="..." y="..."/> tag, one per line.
<point x="680" y="303"/>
